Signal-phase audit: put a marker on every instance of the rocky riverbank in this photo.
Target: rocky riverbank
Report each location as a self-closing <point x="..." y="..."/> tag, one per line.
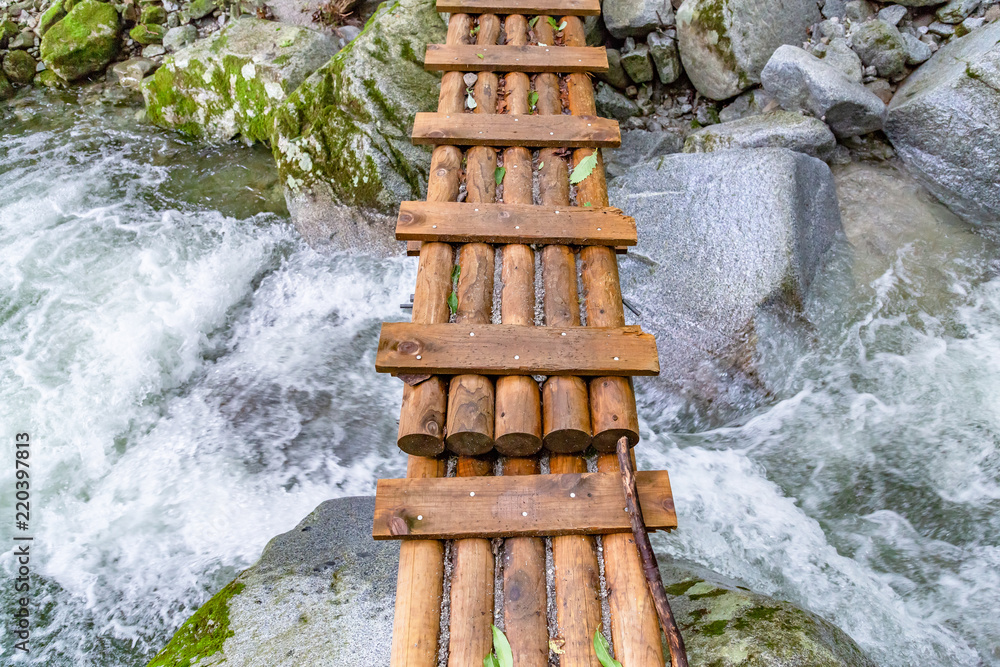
<point x="322" y="595"/>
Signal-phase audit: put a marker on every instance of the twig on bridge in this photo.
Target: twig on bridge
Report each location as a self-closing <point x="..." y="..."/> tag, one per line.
<point x="650" y="568"/>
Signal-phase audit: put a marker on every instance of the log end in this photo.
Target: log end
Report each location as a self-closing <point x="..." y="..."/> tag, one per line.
<point x="568" y="440"/>
<point x="518" y="444"/>
<point x="607" y="441"/>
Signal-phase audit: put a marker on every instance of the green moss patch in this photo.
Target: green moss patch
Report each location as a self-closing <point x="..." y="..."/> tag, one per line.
<point x="203" y="634"/>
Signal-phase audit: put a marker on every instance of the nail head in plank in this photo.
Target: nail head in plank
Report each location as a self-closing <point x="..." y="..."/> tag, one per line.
<point x="451" y="222"/>
<point x="468" y="129"/>
<point x="551" y="7"/>
<point x="517" y="506"/>
<point x="505" y="58"/>
<point x="502" y="349"/>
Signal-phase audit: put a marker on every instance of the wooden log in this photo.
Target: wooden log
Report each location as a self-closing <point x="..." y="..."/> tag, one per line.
<point x="565" y="411"/>
<point x="503" y="349"/>
<point x="525" y="600"/>
<point x="469" y="58"/>
<point x="577" y="584"/>
<point x="420" y="577"/>
<point x="451" y="222"/>
<point x="517" y="506"/>
<point x="650" y="567"/>
<point x="575" y="7"/>
<point x="515" y="130"/>
<point x="419" y="582"/>
<point x="634" y="628"/>
<point x="470" y="633"/>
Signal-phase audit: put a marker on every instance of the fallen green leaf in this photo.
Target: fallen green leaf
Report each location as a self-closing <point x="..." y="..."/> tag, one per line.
<point x="490" y="661"/>
<point x="287" y="43"/>
<point x="504" y="656"/>
<point x="470" y="101"/>
<point x="552" y="22"/>
<point x="603" y="651"/>
<point x="499" y="174"/>
<point x="480" y="56"/>
<point x="453" y="303"/>
<point x="455" y="273"/>
<point x="541" y="164"/>
<point x="472" y="33"/>
<point x="583" y="168"/>
<point x="562" y="26"/>
<point x="586" y="203"/>
<point x="533" y="99"/>
<point x="532" y="22"/>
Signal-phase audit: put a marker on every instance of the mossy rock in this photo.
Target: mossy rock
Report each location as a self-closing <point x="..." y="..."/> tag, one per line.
<point x="203" y="634"/>
<point x="8" y="31"/>
<point x="342" y="140"/>
<point x="49" y="79"/>
<point x="724" y="44"/>
<point x="725" y="625"/>
<point x="147" y="34"/>
<point x="200" y="8"/>
<point x="229" y="84"/>
<point x="19" y="67"/>
<point x="51" y="16"/>
<point x="153" y="14"/>
<point x="6" y="89"/>
<point x="83" y="42"/>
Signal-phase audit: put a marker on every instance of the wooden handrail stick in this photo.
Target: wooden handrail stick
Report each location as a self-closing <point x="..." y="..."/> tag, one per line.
<point x="650" y="568"/>
<point x="420" y="577"/>
<point x="518" y="408"/>
<point x="472" y="580"/>
<point x="470" y="634"/>
<point x="566" y="414"/>
<point x="565" y="409"/>
<point x="634" y="628"/>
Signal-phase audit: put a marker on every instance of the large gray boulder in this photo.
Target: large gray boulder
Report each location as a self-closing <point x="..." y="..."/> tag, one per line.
<point x="636" y="18"/>
<point x="230" y="84"/>
<point x="802" y="82"/>
<point x="342" y="141"/>
<point x="880" y="45"/>
<point x="724" y="44"/>
<point x="721" y="235"/>
<point x="776" y="129"/>
<point x="944" y="122"/>
<point x="322" y="595"/>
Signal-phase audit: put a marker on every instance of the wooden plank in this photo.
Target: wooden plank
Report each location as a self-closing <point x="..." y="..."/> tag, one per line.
<point x="497" y="58"/>
<point x="517" y="506"/>
<point x="553" y="7"/>
<point x="468" y="129"/>
<point x="453" y="222"/>
<point x="502" y="349"/>
<point x="413" y="249"/>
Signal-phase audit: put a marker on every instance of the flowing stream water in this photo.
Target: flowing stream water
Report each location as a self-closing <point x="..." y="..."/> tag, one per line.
<point x="196" y="380"/>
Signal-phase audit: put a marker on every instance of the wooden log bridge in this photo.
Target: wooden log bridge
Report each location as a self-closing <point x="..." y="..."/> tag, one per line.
<point x="517" y="385"/>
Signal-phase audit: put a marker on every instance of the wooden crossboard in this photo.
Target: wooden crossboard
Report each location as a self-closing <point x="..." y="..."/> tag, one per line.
<point x="510" y="506"/>
<point x="476" y="58"/>
<point x="467" y="129"/>
<point x="453" y="222"/>
<point x="551" y="7"/>
<point x="502" y="349"/>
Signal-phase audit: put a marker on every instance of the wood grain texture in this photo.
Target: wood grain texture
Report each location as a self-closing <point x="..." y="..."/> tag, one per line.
<point x="420" y="577"/>
<point x="451" y="222"/>
<point x="500" y="349"/>
<point x="472" y="575"/>
<point x="474" y="58"/>
<point x="515" y="130"/>
<point x="524" y="586"/>
<point x="577" y="579"/>
<point x="517" y="506"/>
<point x="567" y="7"/>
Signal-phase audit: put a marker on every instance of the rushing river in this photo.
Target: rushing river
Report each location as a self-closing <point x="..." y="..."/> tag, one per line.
<point x="195" y="380"/>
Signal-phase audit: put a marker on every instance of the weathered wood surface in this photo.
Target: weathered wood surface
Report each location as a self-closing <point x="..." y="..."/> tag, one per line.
<point x="451" y="222"/>
<point x="565" y="7"/>
<point x="523" y="505"/>
<point x="500" y="349"/>
<point x="470" y="129"/>
<point x="474" y="58"/>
